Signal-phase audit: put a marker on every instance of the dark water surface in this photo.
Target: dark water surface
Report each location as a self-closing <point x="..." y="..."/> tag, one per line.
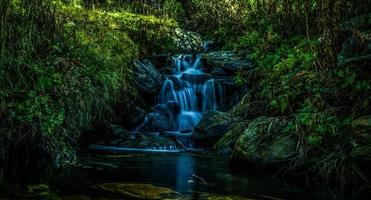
<point x="183" y="172"/>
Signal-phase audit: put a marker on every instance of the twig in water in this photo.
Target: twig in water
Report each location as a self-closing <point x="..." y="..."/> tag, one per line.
<point x="199" y="178"/>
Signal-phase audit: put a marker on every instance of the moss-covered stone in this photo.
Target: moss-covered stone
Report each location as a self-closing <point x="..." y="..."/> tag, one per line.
<point x="136" y="191"/>
<point x="262" y="143"/>
<point x="226" y="144"/>
<point x="212" y="127"/>
<point x="227" y="60"/>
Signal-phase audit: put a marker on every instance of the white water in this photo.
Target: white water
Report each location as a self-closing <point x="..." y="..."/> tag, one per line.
<point x="193" y="96"/>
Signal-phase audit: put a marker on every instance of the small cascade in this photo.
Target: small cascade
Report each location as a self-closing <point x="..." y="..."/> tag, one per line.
<point x="185" y="95"/>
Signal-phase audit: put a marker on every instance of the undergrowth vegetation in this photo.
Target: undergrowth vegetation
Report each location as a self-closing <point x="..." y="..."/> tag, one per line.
<point x="319" y="102"/>
<point x="66" y="68"/>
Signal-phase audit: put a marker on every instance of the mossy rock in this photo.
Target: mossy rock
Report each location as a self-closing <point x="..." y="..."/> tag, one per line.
<point x="227" y="60"/>
<point x="262" y="143"/>
<point x="136" y="191"/>
<point x="212" y="126"/>
<point x="38" y="191"/>
<point x="226" y="144"/>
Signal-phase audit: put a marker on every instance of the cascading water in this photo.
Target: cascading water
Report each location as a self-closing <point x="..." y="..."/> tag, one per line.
<point x="189" y="88"/>
<point x="185" y="95"/>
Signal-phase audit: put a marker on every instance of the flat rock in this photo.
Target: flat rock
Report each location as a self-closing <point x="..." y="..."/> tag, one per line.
<point x="227" y="60"/>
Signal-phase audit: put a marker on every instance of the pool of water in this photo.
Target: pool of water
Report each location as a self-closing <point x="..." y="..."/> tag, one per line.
<point x="185" y="173"/>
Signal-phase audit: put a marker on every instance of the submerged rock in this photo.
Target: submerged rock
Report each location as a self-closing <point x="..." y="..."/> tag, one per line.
<point x="212" y="127"/>
<point x="263" y="144"/>
<point x="136" y="191"/>
<point x="227" y="60"/>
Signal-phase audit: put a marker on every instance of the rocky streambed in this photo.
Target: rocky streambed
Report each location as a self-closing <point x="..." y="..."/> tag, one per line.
<point x="179" y="92"/>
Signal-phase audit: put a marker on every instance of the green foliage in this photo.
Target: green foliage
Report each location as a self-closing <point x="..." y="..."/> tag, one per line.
<point x="63" y="77"/>
<point x="221" y="20"/>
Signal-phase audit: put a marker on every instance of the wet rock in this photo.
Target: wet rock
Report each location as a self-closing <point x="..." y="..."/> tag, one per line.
<point x="136" y="191"/>
<point x="227" y="60"/>
<point x="170" y="110"/>
<point x="136" y="116"/>
<point x="212" y="127"/>
<point x="156" y="122"/>
<point x="263" y="144"/>
<point x="202" y="78"/>
<point x="219" y="72"/>
<point x="146" y="141"/>
<point x="146" y="77"/>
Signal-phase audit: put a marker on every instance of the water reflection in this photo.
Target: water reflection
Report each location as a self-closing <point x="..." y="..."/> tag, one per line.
<point x="185" y="168"/>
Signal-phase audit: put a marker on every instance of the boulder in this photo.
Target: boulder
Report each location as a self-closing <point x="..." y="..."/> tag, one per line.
<point x="229" y="61"/>
<point x="212" y="127"/>
<point x="263" y="144"/>
<point x="146" y="77"/>
<point x="135" y="191"/>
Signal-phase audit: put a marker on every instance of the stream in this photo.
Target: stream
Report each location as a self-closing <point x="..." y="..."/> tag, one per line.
<point x="186" y="93"/>
<point x="192" y="176"/>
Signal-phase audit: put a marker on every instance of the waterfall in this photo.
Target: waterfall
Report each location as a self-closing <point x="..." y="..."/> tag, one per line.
<point x="185" y="95"/>
<point x="193" y="97"/>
